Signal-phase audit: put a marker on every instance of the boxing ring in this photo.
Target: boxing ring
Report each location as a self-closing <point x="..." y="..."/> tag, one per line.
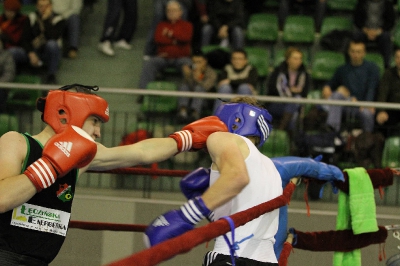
<point x="313" y="241"/>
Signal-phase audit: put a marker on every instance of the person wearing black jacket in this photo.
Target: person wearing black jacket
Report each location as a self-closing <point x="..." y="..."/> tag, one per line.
<point x="238" y="77"/>
<point x="374" y="20"/>
<point x="42" y="39"/>
<point x="388" y="121"/>
<point x="289" y="79"/>
<point x="226" y="23"/>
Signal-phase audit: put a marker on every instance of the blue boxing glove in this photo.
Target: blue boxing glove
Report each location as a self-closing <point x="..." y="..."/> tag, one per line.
<point x="176" y="222"/>
<point x="195" y="183"/>
<point x="291" y="166"/>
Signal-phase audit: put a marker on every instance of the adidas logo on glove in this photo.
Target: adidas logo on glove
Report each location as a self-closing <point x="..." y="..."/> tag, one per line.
<point x="64" y="146"/>
<point x="160" y="221"/>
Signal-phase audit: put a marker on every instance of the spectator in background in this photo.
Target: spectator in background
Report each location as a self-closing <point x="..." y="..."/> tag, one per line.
<point x="289" y="79"/>
<point x="70" y="10"/>
<point x="199" y="19"/>
<point x="302" y="7"/>
<point x="194" y="11"/>
<point x="226" y="23"/>
<point x="357" y="80"/>
<point x="42" y="39"/>
<point x="374" y="20"/>
<point x="7" y="74"/>
<point x="126" y="30"/>
<point x="238" y="77"/>
<point x="173" y="39"/>
<point x="12" y="24"/>
<point x="389" y="91"/>
<point x="199" y="77"/>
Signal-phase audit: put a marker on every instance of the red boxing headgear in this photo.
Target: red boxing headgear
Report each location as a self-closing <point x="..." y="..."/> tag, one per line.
<point x="73" y="107"/>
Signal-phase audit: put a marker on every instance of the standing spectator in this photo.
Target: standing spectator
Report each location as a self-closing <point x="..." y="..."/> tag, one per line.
<point x="286" y="7"/>
<point x="7" y="74"/>
<point x="70" y="10"/>
<point x="159" y="15"/>
<point x="357" y="80"/>
<point x="238" y="77"/>
<point x="374" y="20"/>
<point x="42" y="39"/>
<point x="199" y="19"/>
<point x="199" y="77"/>
<point x="289" y="79"/>
<point x="226" y="21"/>
<point x="12" y="24"/>
<point x="389" y="91"/>
<point x="126" y="30"/>
<point x="173" y="38"/>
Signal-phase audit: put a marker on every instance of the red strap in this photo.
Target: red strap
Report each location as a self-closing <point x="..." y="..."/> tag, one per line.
<point x="381" y="192"/>
<point x="306" y="196"/>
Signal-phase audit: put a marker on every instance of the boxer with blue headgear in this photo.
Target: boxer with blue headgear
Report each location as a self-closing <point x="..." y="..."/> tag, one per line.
<point x="246" y="120"/>
<point x="240" y="177"/>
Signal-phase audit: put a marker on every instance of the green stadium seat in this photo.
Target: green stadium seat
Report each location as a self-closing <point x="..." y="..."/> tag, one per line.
<point x="271" y="4"/>
<point x="396" y="34"/>
<point x="341" y="5"/>
<point x="325" y="64"/>
<point x="299" y="29"/>
<point x="277" y="144"/>
<point x="378" y="60"/>
<point x="24" y="98"/>
<point x="28" y="8"/>
<point x="209" y="48"/>
<point x="259" y="58"/>
<point x="8" y="122"/>
<point x="158" y="103"/>
<point x="335" y="23"/>
<point x="391" y="152"/>
<point x="262" y="27"/>
<point x="314" y="94"/>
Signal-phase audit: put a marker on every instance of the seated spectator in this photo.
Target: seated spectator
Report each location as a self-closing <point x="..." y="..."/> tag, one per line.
<point x="226" y="24"/>
<point x="199" y="77"/>
<point x="159" y="15"/>
<point x="357" y="80"/>
<point x="289" y="79"/>
<point x="70" y="10"/>
<point x="238" y="77"/>
<point x="42" y="39"/>
<point x="12" y="24"/>
<point x="7" y="74"/>
<point x="302" y="7"/>
<point x="374" y="20"/>
<point x="173" y="39"/>
<point x="388" y="121"/>
<point x="110" y="37"/>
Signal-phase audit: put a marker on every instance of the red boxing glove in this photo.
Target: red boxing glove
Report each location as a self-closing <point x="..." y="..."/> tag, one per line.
<point x="193" y="136"/>
<point x="72" y="148"/>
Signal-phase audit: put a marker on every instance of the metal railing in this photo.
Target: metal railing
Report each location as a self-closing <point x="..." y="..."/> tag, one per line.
<point x="124" y="121"/>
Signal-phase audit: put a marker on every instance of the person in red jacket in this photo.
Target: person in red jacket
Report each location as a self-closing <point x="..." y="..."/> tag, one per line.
<point x="173" y="38"/>
<point x="12" y="23"/>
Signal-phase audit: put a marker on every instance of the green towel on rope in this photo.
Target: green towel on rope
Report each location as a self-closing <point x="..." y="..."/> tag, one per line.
<point x="356" y="211"/>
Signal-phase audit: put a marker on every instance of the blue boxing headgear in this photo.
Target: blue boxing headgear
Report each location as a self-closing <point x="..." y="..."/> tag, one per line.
<point x="246" y="120"/>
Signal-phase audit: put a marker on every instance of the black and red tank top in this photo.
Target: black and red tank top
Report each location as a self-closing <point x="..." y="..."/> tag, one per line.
<point x="38" y="227"/>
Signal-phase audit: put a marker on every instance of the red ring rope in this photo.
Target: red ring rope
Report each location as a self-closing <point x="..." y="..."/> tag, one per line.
<point x="189" y="240"/>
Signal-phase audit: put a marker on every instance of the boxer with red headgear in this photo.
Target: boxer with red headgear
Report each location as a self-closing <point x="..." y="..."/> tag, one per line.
<point x="39" y="172"/>
<point x="62" y="107"/>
